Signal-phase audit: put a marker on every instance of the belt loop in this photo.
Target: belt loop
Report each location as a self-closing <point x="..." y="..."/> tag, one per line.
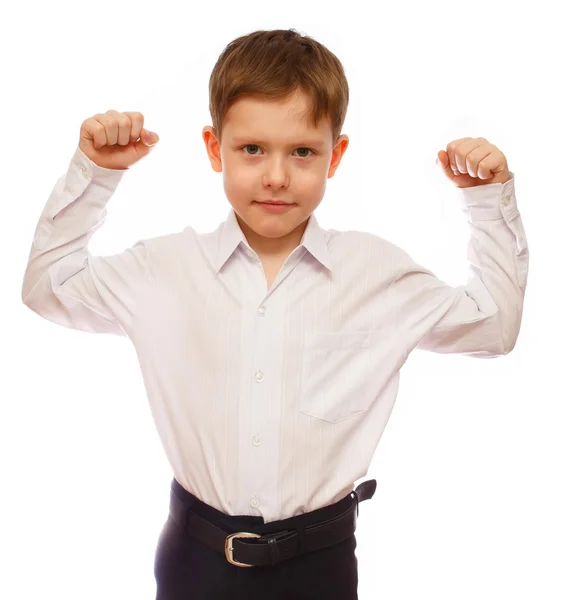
<point x="273" y="551"/>
<point x="356" y="501"/>
<point x="181" y="511"/>
<point x="302" y="535"/>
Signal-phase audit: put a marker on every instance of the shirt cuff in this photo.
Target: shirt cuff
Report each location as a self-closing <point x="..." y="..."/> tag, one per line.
<point x="490" y="202"/>
<point x="80" y="174"/>
<point x="84" y="170"/>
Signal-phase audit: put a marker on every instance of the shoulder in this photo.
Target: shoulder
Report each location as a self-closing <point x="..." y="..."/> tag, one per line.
<point x="380" y="260"/>
<point x="167" y="254"/>
<point x="186" y="237"/>
<point x="162" y="243"/>
<point x="364" y="246"/>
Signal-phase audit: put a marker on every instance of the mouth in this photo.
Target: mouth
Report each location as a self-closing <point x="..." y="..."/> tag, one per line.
<point x="275" y="206"/>
<point x="276" y="202"/>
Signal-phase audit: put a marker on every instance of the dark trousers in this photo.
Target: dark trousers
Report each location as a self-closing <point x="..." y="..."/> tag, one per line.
<point x="186" y="569"/>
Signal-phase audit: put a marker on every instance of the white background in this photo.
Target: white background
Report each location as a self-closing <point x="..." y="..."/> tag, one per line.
<point x="477" y="476"/>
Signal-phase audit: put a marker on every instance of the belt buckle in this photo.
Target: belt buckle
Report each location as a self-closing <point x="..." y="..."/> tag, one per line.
<point x="229" y="547"/>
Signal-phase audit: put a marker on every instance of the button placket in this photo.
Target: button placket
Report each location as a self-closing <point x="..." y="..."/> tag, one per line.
<point x="258" y="423"/>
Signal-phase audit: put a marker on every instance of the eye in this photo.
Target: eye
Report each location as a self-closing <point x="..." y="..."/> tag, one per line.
<point x="308" y="150"/>
<point x="250" y="146"/>
<point x="256" y="146"/>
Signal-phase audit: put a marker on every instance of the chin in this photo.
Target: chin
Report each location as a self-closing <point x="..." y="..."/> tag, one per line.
<point x="271" y="225"/>
<point x="272" y="230"/>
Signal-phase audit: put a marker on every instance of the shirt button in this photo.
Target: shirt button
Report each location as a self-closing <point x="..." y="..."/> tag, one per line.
<point x="256" y="441"/>
<point x="262" y="311"/>
<point x="507" y="200"/>
<point x="255" y="502"/>
<point x="84" y="171"/>
<point x="259" y="376"/>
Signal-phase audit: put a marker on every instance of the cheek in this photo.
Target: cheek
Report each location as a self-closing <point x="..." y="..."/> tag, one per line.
<point x="238" y="181"/>
<point x="315" y="183"/>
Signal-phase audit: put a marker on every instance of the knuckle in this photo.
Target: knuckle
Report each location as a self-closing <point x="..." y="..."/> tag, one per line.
<point x="136" y="117"/>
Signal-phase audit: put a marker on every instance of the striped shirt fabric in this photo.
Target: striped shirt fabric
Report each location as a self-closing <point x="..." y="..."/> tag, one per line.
<point x="271" y="401"/>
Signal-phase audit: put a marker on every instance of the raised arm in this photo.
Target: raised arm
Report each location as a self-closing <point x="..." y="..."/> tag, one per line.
<point x="482" y="318"/>
<point x="63" y="281"/>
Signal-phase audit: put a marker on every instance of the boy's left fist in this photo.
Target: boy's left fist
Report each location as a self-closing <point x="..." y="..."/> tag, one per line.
<point x="468" y="162"/>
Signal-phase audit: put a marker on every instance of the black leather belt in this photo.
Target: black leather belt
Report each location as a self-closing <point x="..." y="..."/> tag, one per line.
<point x="272" y="548"/>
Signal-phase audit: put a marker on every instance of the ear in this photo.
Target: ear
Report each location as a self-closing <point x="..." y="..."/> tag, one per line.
<point x="337" y="154"/>
<point x="213" y="148"/>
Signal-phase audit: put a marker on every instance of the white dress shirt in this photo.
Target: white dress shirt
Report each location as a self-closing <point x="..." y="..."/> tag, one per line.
<point x="271" y="402"/>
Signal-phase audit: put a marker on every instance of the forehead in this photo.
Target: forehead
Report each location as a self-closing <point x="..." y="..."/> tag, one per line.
<point x="273" y="117"/>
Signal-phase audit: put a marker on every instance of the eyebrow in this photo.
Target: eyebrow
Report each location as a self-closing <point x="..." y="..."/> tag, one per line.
<point x="238" y="139"/>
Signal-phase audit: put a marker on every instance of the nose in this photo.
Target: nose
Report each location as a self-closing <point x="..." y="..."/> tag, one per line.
<point x="275" y="174"/>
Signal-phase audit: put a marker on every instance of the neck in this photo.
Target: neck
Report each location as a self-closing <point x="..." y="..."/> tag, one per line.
<point x="273" y="247"/>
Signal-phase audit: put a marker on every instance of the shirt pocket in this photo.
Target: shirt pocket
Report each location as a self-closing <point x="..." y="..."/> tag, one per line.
<point x="335" y="373"/>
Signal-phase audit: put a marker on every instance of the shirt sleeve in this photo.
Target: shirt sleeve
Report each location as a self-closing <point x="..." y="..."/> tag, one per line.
<point x="481" y="319"/>
<point x="63" y="281"/>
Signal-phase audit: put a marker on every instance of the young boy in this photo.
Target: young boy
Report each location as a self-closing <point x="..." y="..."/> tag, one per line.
<point x="271" y="348"/>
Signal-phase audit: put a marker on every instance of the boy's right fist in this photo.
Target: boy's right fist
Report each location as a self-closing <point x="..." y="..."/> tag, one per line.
<point x="116" y="140"/>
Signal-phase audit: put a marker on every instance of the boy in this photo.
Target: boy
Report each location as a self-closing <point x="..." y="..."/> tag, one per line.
<point x="271" y="348"/>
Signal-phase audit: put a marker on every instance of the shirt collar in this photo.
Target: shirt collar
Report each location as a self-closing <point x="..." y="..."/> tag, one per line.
<point x="231" y="235"/>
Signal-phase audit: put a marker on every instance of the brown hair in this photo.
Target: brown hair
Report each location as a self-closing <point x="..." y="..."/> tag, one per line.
<point x="274" y="64"/>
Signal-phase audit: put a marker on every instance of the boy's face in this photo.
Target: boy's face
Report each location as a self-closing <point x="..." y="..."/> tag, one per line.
<point x="269" y="152"/>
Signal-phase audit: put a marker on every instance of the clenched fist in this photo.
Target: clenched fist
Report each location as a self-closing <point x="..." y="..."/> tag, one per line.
<point x="470" y="162"/>
<point x="116" y="140"/>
